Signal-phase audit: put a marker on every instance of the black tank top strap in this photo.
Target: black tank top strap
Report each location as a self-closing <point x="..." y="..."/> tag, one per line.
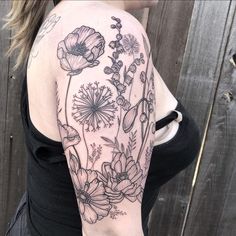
<point x="173" y="115"/>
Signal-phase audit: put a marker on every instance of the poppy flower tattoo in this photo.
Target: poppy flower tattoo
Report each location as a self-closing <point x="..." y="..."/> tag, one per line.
<point x="80" y="49"/>
<point x="102" y="182"/>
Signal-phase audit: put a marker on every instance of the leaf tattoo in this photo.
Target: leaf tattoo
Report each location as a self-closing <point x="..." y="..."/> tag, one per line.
<point x="94" y="107"/>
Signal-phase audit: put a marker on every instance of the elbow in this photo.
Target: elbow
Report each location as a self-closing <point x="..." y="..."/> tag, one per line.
<point x="114" y="231"/>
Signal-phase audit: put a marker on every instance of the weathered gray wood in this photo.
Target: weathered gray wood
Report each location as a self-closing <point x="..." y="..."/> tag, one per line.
<point x="13" y="156"/>
<point x="167" y="28"/>
<point x="212" y="210"/>
<point x="141" y="15"/>
<point x="4" y="64"/>
<point x="15" y="153"/>
<point x="197" y="84"/>
<point x="213" y="207"/>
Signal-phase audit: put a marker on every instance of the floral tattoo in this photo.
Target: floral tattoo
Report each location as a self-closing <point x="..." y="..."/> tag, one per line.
<point x="45" y="28"/>
<point x="101" y="185"/>
<point x="93" y="106"/>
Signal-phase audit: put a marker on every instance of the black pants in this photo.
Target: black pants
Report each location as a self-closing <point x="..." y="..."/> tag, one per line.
<point x="18" y="224"/>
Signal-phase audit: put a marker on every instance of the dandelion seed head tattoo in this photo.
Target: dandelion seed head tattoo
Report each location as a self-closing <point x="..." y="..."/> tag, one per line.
<point x="93" y="106"/>
<point x="99" y="188"/>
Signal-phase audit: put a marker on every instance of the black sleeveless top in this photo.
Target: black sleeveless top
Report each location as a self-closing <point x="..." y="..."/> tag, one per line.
<point x="51" y="203"/>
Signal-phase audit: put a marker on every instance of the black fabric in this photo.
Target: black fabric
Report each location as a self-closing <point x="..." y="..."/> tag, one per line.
<point x="166" y="120"/>
<point x="168" y="159"/>
<point x="18" y="224"/>
<point x="50" y="203"/>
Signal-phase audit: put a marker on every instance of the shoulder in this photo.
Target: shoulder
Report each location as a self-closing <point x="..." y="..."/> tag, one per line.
<point x="94" y="14"/>
<point x="93" y="26"/>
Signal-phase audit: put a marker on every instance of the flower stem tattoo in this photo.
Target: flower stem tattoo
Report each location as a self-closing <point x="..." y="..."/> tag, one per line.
<point x="101" y="185"/>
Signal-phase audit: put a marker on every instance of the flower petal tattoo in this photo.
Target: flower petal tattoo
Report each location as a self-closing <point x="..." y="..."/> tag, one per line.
<point x="100" y="185"/>
<point x="70" y="135"/>
<point x="90" y="192"/>
<point x="80" y="49"/>
<point x="123" y="178"/>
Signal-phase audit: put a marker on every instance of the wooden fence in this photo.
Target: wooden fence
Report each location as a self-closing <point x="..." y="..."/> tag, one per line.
<point x="194" y="43"/>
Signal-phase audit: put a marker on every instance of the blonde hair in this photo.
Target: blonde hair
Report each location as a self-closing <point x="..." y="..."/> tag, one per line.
<point x="24" y="19"/>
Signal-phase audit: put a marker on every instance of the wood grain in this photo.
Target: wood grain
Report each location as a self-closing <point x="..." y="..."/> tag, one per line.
<point x="192" y="45"/>
<point x="213" y="206"/>
<point x="4" y="164"/>
<point x="199" y="75"/>
<point x="167" y="28"/>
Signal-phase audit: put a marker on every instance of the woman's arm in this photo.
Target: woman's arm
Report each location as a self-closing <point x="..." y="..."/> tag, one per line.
<point x="105" y="110"/>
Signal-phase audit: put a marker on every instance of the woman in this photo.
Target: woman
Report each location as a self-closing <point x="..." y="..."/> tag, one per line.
<point x="91" y="99"/>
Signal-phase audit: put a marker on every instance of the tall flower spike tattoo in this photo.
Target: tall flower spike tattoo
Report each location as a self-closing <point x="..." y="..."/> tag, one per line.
<point x="101" y="185"/>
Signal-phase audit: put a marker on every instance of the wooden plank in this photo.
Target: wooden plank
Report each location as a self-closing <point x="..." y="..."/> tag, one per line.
<point x="197" y="84"/>
<point x="4" y="64"/>
<point x="13" y="160"/>
<point x="213" y="206"/>
<point x="15" y="152"/>
<point x="167" y="28"/>
<point x="141" y="15"/>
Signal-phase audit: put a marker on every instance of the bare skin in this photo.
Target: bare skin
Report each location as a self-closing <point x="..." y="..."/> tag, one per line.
<point x="41" y="104"/>
<point x="124" y="5"/>
<point x="76" y="83"/>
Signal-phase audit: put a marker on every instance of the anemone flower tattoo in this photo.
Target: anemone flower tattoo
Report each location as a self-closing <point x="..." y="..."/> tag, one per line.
<point x="123" y="178"/>
<point x="93" y="203"/>
<point x="130" y="44"/>
<point x="93" y="106"/>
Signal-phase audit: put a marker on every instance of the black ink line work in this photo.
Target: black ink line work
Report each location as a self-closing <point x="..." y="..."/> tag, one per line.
<point x="93" y="106"/>
<point x="44" y="29"/>
<point x="69" y="136"/>
<point x="123" y="82"/>
<point x="79" y="50"/>
<point x="130" y="44"/>
<point x="95" y="154"/>
<point x="101" y="185"/>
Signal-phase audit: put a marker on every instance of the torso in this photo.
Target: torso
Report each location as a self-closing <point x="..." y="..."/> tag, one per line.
<point x="41" y="83"/>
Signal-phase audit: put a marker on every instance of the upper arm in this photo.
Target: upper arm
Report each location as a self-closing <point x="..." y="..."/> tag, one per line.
<point x="105" y="110"/>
